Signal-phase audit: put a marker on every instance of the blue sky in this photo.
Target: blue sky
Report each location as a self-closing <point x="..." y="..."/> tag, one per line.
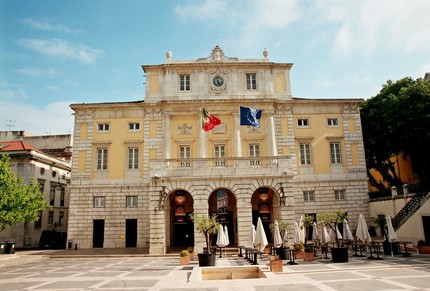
<point x="54" y="53"/>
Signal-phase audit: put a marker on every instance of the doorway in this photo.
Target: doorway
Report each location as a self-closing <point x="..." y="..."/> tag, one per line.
<point x="426" y="227"/>
<point x="98" y="233"/>
<point x="130" y="233"/>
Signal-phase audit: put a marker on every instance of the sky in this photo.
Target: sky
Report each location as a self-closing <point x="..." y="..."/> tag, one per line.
<point x="57" y="53"/>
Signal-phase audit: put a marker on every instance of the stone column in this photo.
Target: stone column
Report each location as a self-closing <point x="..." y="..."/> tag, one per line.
<point x="237" y="144"/>
<point x="271" y="138"/>
<point x="167" y="135"/>
<point x="244" y="219"/>
<point x="203" y="143"/>
<point x="157" y="229"/>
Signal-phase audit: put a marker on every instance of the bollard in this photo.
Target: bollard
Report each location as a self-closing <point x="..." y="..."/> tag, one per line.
<point x="76" y="246"/>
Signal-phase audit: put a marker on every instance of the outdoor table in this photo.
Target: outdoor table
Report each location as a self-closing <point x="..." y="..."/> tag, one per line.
<point x="240" y="251"/>
<point x="324" y="252"/>
<point x="292" y="257"/>
<point x="358" y="246"/>
<point x="376" y="247"/>
<point x="247" y="253"/>
<point x="406" y="253"/>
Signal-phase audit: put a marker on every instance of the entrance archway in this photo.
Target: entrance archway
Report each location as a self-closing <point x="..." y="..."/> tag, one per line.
<point x="265" y="204"/>
<point x="223" y="203"/>
<point x="180" y="207"/>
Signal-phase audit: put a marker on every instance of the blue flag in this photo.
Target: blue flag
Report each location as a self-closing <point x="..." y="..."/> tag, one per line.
<point x="250" y="116"/>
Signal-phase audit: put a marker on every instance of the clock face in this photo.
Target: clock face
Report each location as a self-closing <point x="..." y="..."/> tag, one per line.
<point x="218" y="81"/>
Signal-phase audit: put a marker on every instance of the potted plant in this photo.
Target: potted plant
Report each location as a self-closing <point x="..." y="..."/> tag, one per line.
<point x="185" y="257"/>
<point x="191" y="251"/>
<point x="309" y="253"/>
<point x="299" y="250"/>
<point x="379" y="223"/>
<point x="284" y="227"/>
<point x="207" y="226"/>
<point x="332" y="220"/>
<point x="423" y="247"/>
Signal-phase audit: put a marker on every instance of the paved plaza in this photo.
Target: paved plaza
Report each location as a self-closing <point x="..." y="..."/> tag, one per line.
<point x="65" y="270"/>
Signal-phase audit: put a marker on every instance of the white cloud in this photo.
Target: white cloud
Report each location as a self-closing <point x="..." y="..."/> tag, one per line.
<point x="54" y="118"/>
<point x="62" y="49"/>
<point x="201" y="10"/>
<point x="51" y="72"/>
<point x="45" y="24"/>
<point x="11" y="91"/>
<point x="367" y="26"/>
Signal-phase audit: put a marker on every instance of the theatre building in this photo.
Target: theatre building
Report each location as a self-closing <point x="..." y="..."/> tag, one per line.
<point x="141" y="167"/>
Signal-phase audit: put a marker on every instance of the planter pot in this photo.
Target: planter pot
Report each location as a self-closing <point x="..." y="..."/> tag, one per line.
<point x="391" y="247"/>
<point x="299" y="255"/>
<point x="276" y="266"/>
<point x="282" y="253"/>
<point x="424" y="249"/>
<point x="308" y="256"/>
<point x="339" y="255"/>
<point x="185" y="260"/>
<point x="206" y="260"/>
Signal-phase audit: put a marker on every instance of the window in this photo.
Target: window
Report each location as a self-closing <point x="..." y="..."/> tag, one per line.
<point x="52" y="195"/>
<point x="99" y="201"/>
<point x="102" y="155"/>
<point x="339" y="194"/>
<point x="254" y="153"/>
<point x="303" y="122"/>
<point x="185" y="83"/>
<point x="308" y="196"/>
<point x="38" y="222"/>
<point x="131" y="201"/>
<point x="61" y="218"/>
<point x="335" y="153"/>
<point x="184" y="156"/>
<point x="62" y="196"/>
<point x="103" y="127"/>
<point x="42" y="185"/>
<point x="305" y="154"/>
<point x="134" y="126"/>
<point x="133" y="158"/>
<point x="219" y="155"/>
<point x="332" y="122"/>
<point x="251" y="81"/>
<point x="50" y="217"/>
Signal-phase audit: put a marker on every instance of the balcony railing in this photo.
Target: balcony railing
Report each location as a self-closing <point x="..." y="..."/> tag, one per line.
<point x="221" y="166"/>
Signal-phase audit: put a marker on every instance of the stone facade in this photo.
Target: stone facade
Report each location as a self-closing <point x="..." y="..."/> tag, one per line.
<point x="306" y="157"/>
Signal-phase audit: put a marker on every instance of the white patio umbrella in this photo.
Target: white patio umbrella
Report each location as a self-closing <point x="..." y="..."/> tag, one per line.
<point x="391" y="234"/>
<point x="227" y="239"/>
<point x="296" y="233"/>
<point x="302" y="230"/>
<point x="252" y="236"/>
<point x="220" y="241"/>
<point x="362" y="232"/>
<point x="277" y="239"/>
<point x="347" y="234"/>
<point x="325" y="238"/>
<point x="285" y="238"/>
<point x="260" y="236"/>
<point x="315" y="232"/>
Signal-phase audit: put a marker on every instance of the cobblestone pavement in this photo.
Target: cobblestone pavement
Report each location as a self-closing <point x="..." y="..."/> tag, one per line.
<point x="47" y="271"/>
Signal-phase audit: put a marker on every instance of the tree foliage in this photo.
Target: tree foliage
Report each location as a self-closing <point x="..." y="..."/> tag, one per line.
<point x="395" y="121"/>
<point x="19" y="202"/>
<point x="205" y="225"/>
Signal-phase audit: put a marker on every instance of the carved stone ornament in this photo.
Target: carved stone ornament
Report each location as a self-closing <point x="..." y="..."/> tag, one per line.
<point x="217" y="56"/>
<point x="185" y="129"/>
<point x="218" y="81"/>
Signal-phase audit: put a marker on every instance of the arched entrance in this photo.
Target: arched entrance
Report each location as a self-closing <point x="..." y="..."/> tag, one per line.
<point x="181" y="226"/>
<point x="223" y="202"/>
<point x="265" y="204"/>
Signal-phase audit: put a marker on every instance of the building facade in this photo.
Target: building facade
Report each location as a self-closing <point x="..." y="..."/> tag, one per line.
<point x="139" y="168"/>
<point x="53" y="176"/>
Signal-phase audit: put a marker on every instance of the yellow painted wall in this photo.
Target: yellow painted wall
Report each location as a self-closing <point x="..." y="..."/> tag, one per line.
<point x="81" y="161"/>
<point x="154" y="84"/>
<point x="221" y="138"/>
<point x="351" y="126"/>
<point x="281" y="86"/>
<point x="354" y="154"/>
<point x="189" y="139"/>
<point x="320" y="135"/>
<point x="153" y="129"/>
<point x="284" y="126"/>
<point x="254" y="138"/>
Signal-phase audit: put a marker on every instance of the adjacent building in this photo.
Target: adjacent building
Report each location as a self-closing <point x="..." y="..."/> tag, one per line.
<point x="141" y="167"/>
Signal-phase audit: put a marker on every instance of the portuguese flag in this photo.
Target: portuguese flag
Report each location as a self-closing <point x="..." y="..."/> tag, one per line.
<point x="209" y="121"/>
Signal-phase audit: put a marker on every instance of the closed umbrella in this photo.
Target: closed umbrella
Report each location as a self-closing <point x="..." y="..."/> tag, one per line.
<point x="362" y="231"/>
<point x="227" y="239"/>
<point x="285" y="238"/>
<point x="325" y="238"/>
<point x="347" y="234"/>
<point x="260" y="236"/>
<point x="332" y="236"/>
<point x="302" y="230"/>
<point x="252" y="236"/>
<point x="277" y="239"/>
<point x="297" y="238"/>
<point x="315" y="232"/>
<point x="220" y="241"/>
<point x="391" y="234"/>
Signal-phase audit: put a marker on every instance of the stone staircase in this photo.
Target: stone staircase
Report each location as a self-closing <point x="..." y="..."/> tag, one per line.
<point x="410" y="208"/>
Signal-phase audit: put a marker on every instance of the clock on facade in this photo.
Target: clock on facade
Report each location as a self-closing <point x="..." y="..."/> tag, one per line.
<point x="218" y="81"/>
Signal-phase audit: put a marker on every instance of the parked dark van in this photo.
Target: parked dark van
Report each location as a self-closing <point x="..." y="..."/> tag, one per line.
<point x="52" y="239"/>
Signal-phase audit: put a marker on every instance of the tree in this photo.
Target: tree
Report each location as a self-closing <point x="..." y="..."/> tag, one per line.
<point x="205" y="225"/>
<point x="397" y="121"/>
<point x="19" y="202"/>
